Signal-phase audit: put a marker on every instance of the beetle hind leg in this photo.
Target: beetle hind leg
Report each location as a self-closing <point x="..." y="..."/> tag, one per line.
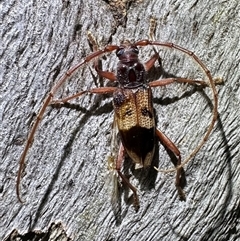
<point x="124" y="179"/>
<point x="180" y="175"/>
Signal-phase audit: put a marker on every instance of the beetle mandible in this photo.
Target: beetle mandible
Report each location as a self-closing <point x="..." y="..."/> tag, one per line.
<point x="133" y="106"/>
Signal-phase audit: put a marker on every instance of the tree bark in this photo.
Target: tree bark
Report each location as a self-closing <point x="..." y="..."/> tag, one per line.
<point x="66" y="178"/>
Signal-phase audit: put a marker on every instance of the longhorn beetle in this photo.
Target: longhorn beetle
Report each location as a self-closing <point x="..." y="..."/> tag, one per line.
<point x="133" y="106"/>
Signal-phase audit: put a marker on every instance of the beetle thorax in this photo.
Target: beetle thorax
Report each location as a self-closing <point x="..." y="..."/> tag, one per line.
<point x="130" y="71"/>
<point x="130" y="74"/>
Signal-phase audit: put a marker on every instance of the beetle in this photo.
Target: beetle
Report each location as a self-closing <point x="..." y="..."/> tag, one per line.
<point x="133" y="106"/>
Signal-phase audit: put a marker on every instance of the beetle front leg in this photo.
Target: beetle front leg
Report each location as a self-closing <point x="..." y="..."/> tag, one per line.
<point x="125" y="180"/>
<point x="166" y="142"/>
<point x="105" y="74"/>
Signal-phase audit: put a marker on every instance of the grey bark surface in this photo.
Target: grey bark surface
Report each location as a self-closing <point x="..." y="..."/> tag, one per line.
<point x="66" y="177"/>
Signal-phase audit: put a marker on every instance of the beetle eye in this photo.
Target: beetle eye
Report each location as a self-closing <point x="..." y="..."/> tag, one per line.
<point x="135" y="50"/>
<point x="119" y="52"/>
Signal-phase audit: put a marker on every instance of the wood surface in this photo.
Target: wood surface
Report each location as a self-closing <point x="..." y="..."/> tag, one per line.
<point x="66" y="184"/>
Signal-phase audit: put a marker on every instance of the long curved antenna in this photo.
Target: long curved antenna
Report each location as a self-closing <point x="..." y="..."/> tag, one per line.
<point x="47" y="101"/>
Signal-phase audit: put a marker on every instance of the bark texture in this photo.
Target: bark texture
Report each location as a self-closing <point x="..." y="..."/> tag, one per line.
<point x="66" y="178"/>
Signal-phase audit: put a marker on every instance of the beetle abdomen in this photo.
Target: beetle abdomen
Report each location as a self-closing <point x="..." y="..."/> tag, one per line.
<point x="139" y="143"/>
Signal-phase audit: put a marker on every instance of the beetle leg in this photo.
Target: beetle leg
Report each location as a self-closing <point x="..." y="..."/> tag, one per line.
<point x="125" y="180"/>
<point x="100" y="90"/>
<point x="105" y="74"/>
<point x="152" y="28"/>
<point x="167" y="81"/>
<point x="149" y="64"/>
<point x="172" y="147"/>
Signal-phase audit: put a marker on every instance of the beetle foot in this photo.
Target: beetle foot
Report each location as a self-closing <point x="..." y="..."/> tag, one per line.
<point x="181" y="193"/>
<point x="135" y="201"/>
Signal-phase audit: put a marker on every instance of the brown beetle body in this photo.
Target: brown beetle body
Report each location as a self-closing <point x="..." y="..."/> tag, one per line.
<point x="133" y="107"/>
